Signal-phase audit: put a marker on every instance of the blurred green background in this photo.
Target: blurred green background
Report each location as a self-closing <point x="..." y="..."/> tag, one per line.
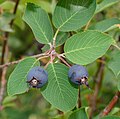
<point x="22" y="43"/>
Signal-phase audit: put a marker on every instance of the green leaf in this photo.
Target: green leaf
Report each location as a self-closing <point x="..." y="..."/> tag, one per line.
<point x="39" y="22"/>
<point x="104" y="4"/>
<point x="114" y="64"/>
<point x="118" y="84"/>
<point x="45" y="48"/>
<point x="59" y="92"/>
<point x="71" y="15"/>
<point x="61" y="38"/>
<point x="7" y="5"/>
<point x="79" y="114"/>
<point x="106" y="25"/>
<point x="46" y="5"/>
<point x="17" y="80"/>
<point x="5" y="19"/>
<point x="110" y="117"/>
<point x="84" y="48"/>
<point x="8" y="99"/>
<point x="60" y="116"/>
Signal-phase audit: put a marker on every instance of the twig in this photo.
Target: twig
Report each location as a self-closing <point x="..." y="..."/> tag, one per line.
<point x="99" y="77"/>
<point x="117" y="46"/>
<point x="15" y="10"/>
<point x="7" y="33"/>
<point x="3" y="85"/>
<point x="110" y="106"/>
<point x="79" y="97"/>
<point x="47" y="65"/>
<point x="5" y="52"/>
<point x="87" y="25"/>
<point x="16" y="62"/>
<point x="63" y="61"/>
<point x="54" y="38"/>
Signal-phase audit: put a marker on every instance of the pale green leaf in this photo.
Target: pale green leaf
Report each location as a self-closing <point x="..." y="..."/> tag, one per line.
<point x="114" y="64"/>
<point x="5" y="20"/>
<point x="66" y="115"/>
<point x="17" y="80"/>
<point x="61" y="38"/>
<point x="79" y="114"/>
<point x="110" y="117"/>
<point x="84" y="48"/>
<point x="118" y="84"/>
<point x="59" y="92"/>
<point x="45" y="47"/>
<point x="106" y="25"/>
<point x="39" y="22"/>
<point x="71" y="15"/>
<point x="104" y="4"/>
<point x="7" y="5"/>
<point x="46" y="5"/>
<point x="8" y="99"/>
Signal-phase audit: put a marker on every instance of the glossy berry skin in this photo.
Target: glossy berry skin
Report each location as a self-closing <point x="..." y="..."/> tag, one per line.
<point x="37" y="77"/>
<point x="78" y="75"/>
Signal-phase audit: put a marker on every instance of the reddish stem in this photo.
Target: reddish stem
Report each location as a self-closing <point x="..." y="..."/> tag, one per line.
<point x="98" y="80"/>
<point x="63" y="61"/>
<point x="5" y="53"/>
<point x="111" y="105"/>
<point x="79" y="97"/>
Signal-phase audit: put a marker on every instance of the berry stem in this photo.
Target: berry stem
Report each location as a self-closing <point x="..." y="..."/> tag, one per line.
<point x="63" y="60"/>
<point x="47" y="65"/>
<point x="87" y="25"/>
<point x="54" y="38"/>
<point x="42" y="57"/>
<point x="79" y="97"/>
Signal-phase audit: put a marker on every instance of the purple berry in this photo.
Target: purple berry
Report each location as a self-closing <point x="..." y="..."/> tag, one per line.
<point x="78" y="75"/>
<point x="37" y="77"/>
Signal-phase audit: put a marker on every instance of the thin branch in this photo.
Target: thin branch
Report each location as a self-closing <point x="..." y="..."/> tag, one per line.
<point x="4" y="46"/>
<point x="63" y="61"/>
<point x="79" y="97"/>
<point x="7" y="33"/>
<point x="47" y="65"/>
<point x="14" y="12"/>
<point x="17" y="61"/>
<point x="87" y="25"/>
<point x="54" y="38"/>
<point x="5" y="53"/>
<point x="3" y="85"/>
<point x="117" y="46"/>
<point x="111" y="105"/>
<point x="98" y="79"/>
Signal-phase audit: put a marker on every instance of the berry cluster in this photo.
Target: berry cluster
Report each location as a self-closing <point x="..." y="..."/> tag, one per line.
<point x="38" y="77"/>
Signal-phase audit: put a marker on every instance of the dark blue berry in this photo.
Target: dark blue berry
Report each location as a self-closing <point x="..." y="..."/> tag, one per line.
<point x="78" y="75"/>
<point x="37" y="77"/>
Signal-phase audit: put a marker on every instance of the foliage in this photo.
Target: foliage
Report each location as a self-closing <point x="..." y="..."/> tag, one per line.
<point x="69" y="32"/>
